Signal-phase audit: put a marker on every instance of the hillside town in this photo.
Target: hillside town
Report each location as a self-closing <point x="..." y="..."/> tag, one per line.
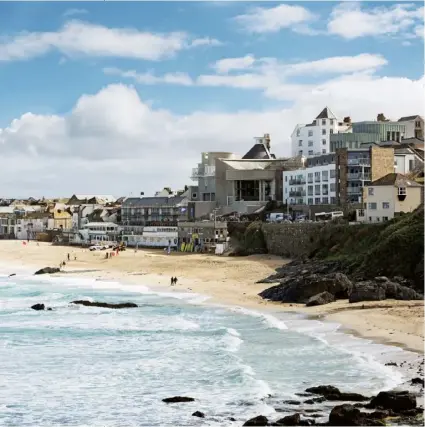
<point x="366" y="172"/>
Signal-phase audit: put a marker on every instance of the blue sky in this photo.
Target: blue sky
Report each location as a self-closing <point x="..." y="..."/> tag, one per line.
<point x="295" y="57"/>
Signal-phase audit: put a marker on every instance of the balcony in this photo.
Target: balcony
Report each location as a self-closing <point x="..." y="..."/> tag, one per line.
<point x="354" y="191"/>
<point x="296" y="193"/>
<point x="297" y="181"/>
<point x="358" y="177"/>
<point x="202" y="172"/>
<point x="359" y="162"/>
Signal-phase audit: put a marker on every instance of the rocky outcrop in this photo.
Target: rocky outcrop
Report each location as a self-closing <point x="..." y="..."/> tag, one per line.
<point x="105" y="304"/>
<point x="348" y="415"/>
<point x="38" y="307"/>
<point x="300" y="289"/>
<point x="178" y="399"/>
<point x="198" y="414"/>
<point x="48" y="270"/>
<point x="397" y="401"/>
<point x="320" y="299"/>
<point x="290" y="420"/>
<point x="260" y="420"/>
<point x="330" y="392"/>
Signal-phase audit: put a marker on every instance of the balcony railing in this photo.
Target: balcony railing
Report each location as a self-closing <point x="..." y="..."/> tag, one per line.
<point x="297" y="181"/>
<point x="354" y="191"/>
<point x="203" y="172"/>
<point x="296" y="193"/>
<point x="358" y="177"/>
<point x="359" y="162"/>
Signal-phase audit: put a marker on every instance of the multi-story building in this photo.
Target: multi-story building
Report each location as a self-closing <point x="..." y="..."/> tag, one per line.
<point x="314" y="138"/>
<point x="389" y="196"/>
<point x="414" y="126"/>
<point x="357" y="168"/>
<point x="26" y="228"/>
<point x="313" y="185"/>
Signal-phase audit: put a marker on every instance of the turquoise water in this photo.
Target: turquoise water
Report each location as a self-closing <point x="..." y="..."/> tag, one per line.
<point x="86" y="366"/>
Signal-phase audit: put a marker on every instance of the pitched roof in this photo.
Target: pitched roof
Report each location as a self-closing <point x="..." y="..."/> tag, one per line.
<point x="395" y="179"/>
<point x="257" y="152"/>
<point x="326" y="113"/>
<point x="153" y="201"/>
<point x="408" y="118"/>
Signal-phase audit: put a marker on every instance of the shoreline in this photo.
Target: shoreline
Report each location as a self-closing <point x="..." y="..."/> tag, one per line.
<point x="227" y="281"/>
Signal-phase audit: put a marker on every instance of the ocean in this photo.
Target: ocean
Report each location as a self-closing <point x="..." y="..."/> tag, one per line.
<point x="87" y="366"/>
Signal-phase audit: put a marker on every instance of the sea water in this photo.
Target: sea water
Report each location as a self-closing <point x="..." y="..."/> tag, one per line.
<point x="88" y="366"/>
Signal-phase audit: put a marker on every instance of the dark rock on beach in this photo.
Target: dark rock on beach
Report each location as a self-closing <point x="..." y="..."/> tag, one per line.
<point x="292" y="402"/>
<point x="367" y="291"/>
<point x="38" y="307"/>
<point x="320" y="299"/>
<point x="178" y="399"/>
<point x="260" y="420"/>
<point x="314" y="400"/>
<point x="47" y="270"/>
<point x="330" y="392"/>
<point x="105" y="304"/>
<point x="290" y="420"/>
<point x="417" y="380"/>
<point x="395" y="400"/>
<point x="198" y="414"/>
<point x="347" y="415"/>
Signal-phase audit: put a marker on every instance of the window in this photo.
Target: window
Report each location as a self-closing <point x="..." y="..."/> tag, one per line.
<point x="317" y="201"/>
<point x="325" y="200"/>
<point x="310" y="133"/>
<point x="317" y="176"/>
<point x="333" y="200"/>
<point x="194" y="195"/>
<point x="331" y="131"/>
<point x="402" y="191"/>
<point x="286" y="178"/>
<point x="310" y="190"/>
<point x="385" y="205"/>
<point x="323" y="141"/>
<point x="332" y="173"/>
<point x="323" y="122"/>
<point x="310" y="143"/>
<point x="310" y="201"/>
<point x="332" y="186"/>
<point x="325" y="189"/>
<point x="324" y="151"/>
<point x="370" y="219"/>
<point x="298" y="132"/>
<point x="310" y="152"/>
<point x="384" y="218"/>
<point x="388" y="135"/>
<point x="377" y="219"/>
<point x="300" y="153"/>
<point x="310" y="177"/>
<point x="372" y="205"/>
<point x="370" y="191"/>
<point x="332" y="122"/>
<point x="317" y="189"/>
<point x="323" y="131"/>
<point x="324" y="175"/>
<point x="417" y="124"/>
<point x="411" y="165"/>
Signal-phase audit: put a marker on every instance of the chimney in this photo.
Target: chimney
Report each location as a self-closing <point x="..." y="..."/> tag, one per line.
<point x="267" y="140"/>
<point x="347" y="119"/>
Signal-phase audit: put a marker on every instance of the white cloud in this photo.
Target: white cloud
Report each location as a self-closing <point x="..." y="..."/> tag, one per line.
<point x="230" y="64"/>
<point x="81" y="38"/>
<point x="114" y="142"/>
<point x="350" y="21"/>
<point x="150" y="78"/>
<point x="270" y="20"/>
<point x="73" y="12"/>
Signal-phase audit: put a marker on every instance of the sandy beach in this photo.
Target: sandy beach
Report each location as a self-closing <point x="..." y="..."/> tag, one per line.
<point x="229" y="281"/>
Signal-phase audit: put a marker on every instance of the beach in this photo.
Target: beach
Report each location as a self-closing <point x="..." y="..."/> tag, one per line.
<point x="228" y="281"/>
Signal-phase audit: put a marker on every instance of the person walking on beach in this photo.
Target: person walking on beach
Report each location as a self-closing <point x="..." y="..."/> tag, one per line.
<point x="68" y="257"/>
<point x="175" y="280"/>
<point x="172" y="281"/>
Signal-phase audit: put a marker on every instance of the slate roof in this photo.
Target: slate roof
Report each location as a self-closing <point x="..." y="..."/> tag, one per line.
<point x="326" y="113"/>
<point x="408" y="118"/>
<point x="257" y="152"/>
<point x="153" y="201"/>
<point x="395" y="179"/>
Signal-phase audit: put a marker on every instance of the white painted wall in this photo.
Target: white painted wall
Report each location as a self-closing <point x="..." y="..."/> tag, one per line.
<point x="402" y="163"/>
<point x="33" y="225"/>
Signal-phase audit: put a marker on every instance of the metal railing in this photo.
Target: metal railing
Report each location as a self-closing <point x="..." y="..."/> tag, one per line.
<point x="359" y="162"/>
<point x="297" y="181"/>
<point x="201" y="172"/>
<point x="296" y="193"/>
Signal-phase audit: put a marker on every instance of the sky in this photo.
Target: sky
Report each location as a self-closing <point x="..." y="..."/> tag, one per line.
<point x="121" y="98"/>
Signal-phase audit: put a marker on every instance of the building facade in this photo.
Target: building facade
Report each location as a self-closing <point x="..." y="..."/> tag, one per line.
<point x="202" y="234"/>
<point x="313" y="185"/>
<point x="357" y="168"/>
<point x="414" y="126"/>
<point x="314" y="138"/>
<point x="389" y="196"/>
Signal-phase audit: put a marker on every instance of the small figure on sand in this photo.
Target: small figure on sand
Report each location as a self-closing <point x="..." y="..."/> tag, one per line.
<point x="69" y="257"/>
<point x="75" y="257"/>
<point x="172" y="281"/>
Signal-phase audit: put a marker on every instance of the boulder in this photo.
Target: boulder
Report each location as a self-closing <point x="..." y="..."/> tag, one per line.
<point x="38" y="307"/>
<point x="367" y="290"/>
<point x="398" y="291"/>
<point x="198" y="414"/>
<point x="395" y="400"/>
<point x="105" y="304"/>
<point x="178" y="399"/>
<point x="260" y="420"/>
<point x="314" y="400"/>
<point x="320" y="299"/>
<point x="330" y="392"/>
<point x="290" y="420"/>
<point x="300" y="288"/>
<point x="418" y="380"/>
<point x="347" y="415"/>
<point x="292" y="402"/>
<point x="48" y="270"/>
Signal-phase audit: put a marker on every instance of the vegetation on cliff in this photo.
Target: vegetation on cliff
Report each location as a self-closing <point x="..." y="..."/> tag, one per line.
<point x="247" y="238"/>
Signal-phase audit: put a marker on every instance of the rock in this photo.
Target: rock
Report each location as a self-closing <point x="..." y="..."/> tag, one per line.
<point x="198" y="414"/>
<point x="347" y="415"/>
<point x="38" y="307"/>
<point x="48" y="270"/>
<point x="397" y="291"/>
<point x="231" y="419"/>
<point x="105" y="304"/>
<point x="307" y="422"/>
<point x="418" y="380"/>
<point x="330" y="392"/>
<point x="395" y="400"/>
<point x="178" y="399"/>
<point x="303" y="394"/>
<point x="314" y="400"/>
<point x="50" y="309"/>
<point x="260" y="420"/>
<point x="292" y="402"/>
<point x="299" y="289"/>
<point x="13" y="274"/>
<point x="391" y="364"/>
<point x="290" y="420"/>
<point x="320" y="299"/>
<point x="367" y="290"/>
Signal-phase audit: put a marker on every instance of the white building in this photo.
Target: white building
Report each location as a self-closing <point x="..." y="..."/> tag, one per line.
<point x="414" y="126"/>
<point x="406" y="161"/>
<point x="313" y="185"/>
<point x="314" y="138"/>
<point x="388" y="196"/>
<point x="26" y="228"/>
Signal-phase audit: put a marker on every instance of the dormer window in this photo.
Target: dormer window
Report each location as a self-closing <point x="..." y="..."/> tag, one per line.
<point x="402" y="191"/>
